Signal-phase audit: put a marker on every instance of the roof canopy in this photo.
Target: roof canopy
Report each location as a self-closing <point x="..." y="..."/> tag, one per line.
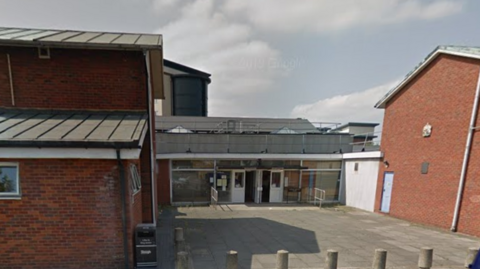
<point x="70" y="38"/>
<point x="87" y="129"/>
<point x="462" y="51"/>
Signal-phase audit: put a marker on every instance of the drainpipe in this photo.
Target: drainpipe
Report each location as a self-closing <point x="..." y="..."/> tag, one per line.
<point x="471" y="129"/>
<point x="11" y="79"/>
<point x="124" y="209"/>
<point x="152" y="133"/>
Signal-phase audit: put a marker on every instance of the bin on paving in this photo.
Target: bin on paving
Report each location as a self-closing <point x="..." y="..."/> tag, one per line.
<point x="145" y="246"/>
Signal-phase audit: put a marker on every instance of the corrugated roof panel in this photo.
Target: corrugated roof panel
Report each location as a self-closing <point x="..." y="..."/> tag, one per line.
<point x="37" y="131"/>
<point x="83" y="37"/>
<point x="126" y="39"/>
<point x="60" y="36"/>
<point x="105" y="38"/>
<point x="19" y="34"/>
<point x="38" y="35"/>
<point x="61" y="130"/>
<point x="24" y="126"/>
<point x="106" y="128"/>
<point x="148" y="39"/>
<point x="141" y="125"/>
<point x="126" y="128"/>
<point x="9" y="31"/>
<point x="83" y="130"/>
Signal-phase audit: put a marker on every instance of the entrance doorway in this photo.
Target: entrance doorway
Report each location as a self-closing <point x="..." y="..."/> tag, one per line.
<point x="250" y="187"/>
<point x="266" y="186"/>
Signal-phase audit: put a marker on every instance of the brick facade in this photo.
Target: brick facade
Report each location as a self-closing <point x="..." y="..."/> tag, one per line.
<point x="74" y="79"/>
<point x="69" y="215"/>
<point x="441" y="95"/>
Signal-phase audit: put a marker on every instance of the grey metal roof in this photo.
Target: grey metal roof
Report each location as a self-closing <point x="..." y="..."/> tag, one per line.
<point x="70" y="38"/>
<point x="355" y="124"/>
<point x="463" y="51"/>
<point x="234" y="124"/>
<point x="45" y="128"/>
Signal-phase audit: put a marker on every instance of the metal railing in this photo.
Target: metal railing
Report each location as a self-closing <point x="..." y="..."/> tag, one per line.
<point x="319" y="196"/>
<point x="213" y="197"/>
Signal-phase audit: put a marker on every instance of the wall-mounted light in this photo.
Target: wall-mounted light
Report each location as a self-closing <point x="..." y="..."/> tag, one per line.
<point x="386" y="164"/>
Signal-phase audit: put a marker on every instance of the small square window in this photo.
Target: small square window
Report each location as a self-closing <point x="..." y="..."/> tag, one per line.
<point x="9" y="181"/>
<point x="43" y="53"/>
<point x="135" y="178"/>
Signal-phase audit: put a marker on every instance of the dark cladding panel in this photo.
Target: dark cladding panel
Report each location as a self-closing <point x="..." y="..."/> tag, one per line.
<point x="189" y="96"/>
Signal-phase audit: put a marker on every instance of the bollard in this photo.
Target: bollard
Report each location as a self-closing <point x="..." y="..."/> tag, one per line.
<point x="425" y="258"/>
<point x="179" y="234"/>
<point x="380" y="259"/>
<point x="471" y="254"/>
<point x="332" y="259"/>
<point x="182" y="260"/>
<point x="232" y="259"/>
<point x="282" y="259"/>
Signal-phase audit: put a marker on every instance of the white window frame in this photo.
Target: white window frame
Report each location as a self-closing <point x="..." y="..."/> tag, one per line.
<point x="9" y="195"/>
<point x="136" y="180"/>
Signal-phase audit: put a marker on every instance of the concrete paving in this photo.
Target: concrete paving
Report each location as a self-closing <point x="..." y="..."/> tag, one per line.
<point x="258" y="232"/>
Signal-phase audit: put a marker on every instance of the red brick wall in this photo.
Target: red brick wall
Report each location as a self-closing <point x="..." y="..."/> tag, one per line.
<point x="69" y="216"/>
<point x="74" y="79"/>
<point x="146" y="181"/>
<point x="442" y="95"/>
<point x="163" y="182"/>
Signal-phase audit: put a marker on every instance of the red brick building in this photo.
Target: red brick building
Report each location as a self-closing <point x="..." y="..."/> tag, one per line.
<point x="77" y="155"/>
<point x="430" y="144"/>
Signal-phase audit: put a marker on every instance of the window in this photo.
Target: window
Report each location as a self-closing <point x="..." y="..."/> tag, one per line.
<point x="9" y="180"/>
<point x="239" y="179"/>
<point x="355" y="167"/>
<point x="43" y="53"/>
<point x="135" y="178"/>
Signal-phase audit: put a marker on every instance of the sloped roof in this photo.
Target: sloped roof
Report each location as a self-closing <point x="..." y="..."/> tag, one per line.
<point x="96" y="129"/>
<point x="462" y="51"/>
<point x="74" y="38"/>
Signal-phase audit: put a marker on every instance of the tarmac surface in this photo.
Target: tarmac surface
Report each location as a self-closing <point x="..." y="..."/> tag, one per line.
<point x="257" y="232"/>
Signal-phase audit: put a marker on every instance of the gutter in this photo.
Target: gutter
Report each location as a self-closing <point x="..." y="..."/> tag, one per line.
<point x="124" y="209"/>
<point x="466" y="157"/>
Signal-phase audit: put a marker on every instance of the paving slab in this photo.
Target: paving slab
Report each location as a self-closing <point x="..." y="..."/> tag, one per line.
<point x="257" y="232"/>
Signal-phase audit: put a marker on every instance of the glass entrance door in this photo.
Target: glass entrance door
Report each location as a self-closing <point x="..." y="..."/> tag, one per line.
<point x="238" y="186"/>
<point x="276" y="187"/>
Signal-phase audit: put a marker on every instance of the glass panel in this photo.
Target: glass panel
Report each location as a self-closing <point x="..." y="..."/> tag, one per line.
<point x="276" y="179"/>
<point x="236" y="163"/>
<point x="8" y="180"/>
<point x="322" y="165"/>
<point x="325" y="180"/>
<point x="191" y="186"/>
<point x="189" y="164"/>
<point x="239" y="179"/>
<point x="224" y="186"/>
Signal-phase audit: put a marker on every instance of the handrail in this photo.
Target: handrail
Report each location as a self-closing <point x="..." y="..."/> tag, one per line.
<point x="213" y="197"/>
<point x="319" y="196"/>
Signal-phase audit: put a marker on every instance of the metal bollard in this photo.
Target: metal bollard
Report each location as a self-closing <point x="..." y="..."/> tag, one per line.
<point x="380" y="259"/>
<point x="332" y="259"/>
<point x="179" y="234"/>
<point x="232" y="259"/>
<point x="471" y="254"/>
<point x="282" y="259"/>
<point x="425" y="258"/>
<point x="182" y="260"/>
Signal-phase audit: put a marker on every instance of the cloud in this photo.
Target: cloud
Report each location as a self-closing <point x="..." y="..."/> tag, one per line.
<point x="333" y="15"/>
<point x="203" y="37"/>
<point x="354" y="107"/>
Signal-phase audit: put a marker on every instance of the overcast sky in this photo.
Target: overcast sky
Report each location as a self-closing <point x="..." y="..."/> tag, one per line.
<point x="325" y="60"/>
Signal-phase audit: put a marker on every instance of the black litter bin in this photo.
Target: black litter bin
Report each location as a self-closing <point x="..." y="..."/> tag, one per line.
<point x="145" y="246"/>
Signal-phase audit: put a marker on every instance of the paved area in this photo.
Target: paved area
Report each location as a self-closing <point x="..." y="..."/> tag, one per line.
<point x="257" y="232"/>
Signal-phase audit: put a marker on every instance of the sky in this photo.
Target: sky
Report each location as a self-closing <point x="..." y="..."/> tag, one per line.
<point x="324" y="60"/>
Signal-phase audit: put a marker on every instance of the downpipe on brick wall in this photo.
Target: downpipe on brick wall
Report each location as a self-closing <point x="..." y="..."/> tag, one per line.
<point x="10" y="76"/>
<point x="124" y="210"/>
<point x="466" y="157"/>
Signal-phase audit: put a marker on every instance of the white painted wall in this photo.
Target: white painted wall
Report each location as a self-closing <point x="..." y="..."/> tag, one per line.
<point x="361" y="185"/>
